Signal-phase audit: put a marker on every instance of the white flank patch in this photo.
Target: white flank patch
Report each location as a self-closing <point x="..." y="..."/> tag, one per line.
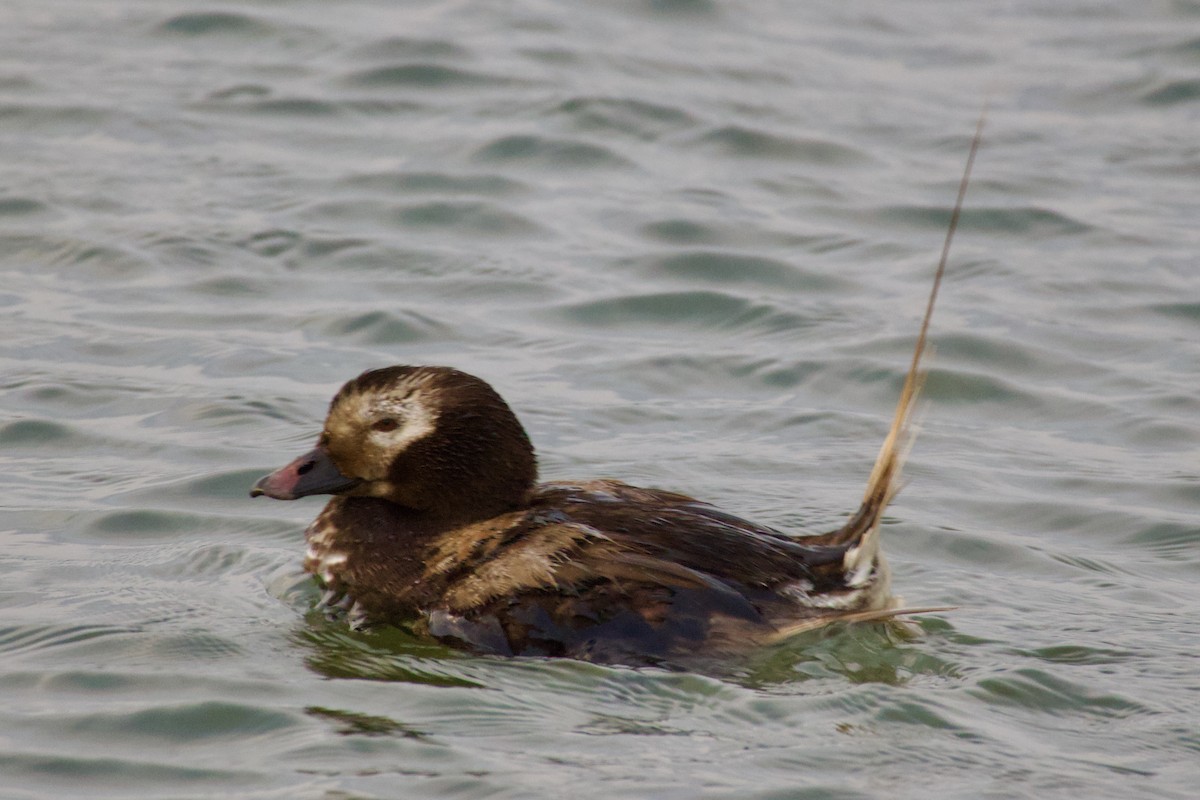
<point x="327" y="562"/>
<point x="333" y="560"/>
<point x="318" y="532"/>
<point x="802" y="591"/>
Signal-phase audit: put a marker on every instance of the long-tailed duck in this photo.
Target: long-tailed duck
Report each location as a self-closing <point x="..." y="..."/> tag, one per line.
<point x="438" y="522"/>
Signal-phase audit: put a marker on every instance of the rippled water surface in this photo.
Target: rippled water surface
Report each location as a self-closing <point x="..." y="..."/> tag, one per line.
<point x="690" y="242"/>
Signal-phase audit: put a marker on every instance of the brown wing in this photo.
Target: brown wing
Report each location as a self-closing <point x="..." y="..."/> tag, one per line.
<point x="681" y="530"/>
<point x="611" y="572"/>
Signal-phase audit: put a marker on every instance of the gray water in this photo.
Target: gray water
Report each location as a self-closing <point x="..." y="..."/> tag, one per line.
<point x="690" y="242"/>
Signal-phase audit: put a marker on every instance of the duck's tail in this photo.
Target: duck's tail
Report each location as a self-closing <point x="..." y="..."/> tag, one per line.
<point x="864" y="565"/>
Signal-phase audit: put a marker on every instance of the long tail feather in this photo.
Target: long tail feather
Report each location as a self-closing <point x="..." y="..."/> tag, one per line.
<point x="862" y="530"/>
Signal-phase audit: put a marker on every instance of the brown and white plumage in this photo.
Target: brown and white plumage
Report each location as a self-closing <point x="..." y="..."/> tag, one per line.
<point x="438" y="521"/>
<point x="580" y="570"/>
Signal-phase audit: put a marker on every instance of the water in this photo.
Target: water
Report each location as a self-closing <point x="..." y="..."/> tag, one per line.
<point x="690" y="243"/>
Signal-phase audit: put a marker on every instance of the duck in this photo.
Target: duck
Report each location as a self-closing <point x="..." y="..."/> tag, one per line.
<point x="438" y="523"/>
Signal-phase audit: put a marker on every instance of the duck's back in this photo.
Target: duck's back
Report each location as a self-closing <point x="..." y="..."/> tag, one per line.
<point x="610" y="572"/>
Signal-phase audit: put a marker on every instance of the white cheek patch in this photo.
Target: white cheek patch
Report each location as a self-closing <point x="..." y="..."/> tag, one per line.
<point x="417" y="420"/>
<point x="367" y="453"/>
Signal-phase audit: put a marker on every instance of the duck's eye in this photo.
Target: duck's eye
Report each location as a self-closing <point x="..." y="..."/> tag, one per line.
<point x="385" y="425"/>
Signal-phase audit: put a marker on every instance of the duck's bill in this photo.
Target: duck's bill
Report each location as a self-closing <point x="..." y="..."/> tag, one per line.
<point x="311" y="473"/>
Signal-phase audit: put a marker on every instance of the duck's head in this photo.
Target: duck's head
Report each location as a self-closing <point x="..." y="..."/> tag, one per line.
<point x="430" y="439"/>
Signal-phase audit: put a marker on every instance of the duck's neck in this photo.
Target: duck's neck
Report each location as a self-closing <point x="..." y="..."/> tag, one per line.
<point x="371" y="521"/>
<point x="379" y="552"/>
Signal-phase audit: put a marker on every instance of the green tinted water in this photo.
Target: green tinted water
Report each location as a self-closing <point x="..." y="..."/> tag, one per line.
<point x="690" y="243"/>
